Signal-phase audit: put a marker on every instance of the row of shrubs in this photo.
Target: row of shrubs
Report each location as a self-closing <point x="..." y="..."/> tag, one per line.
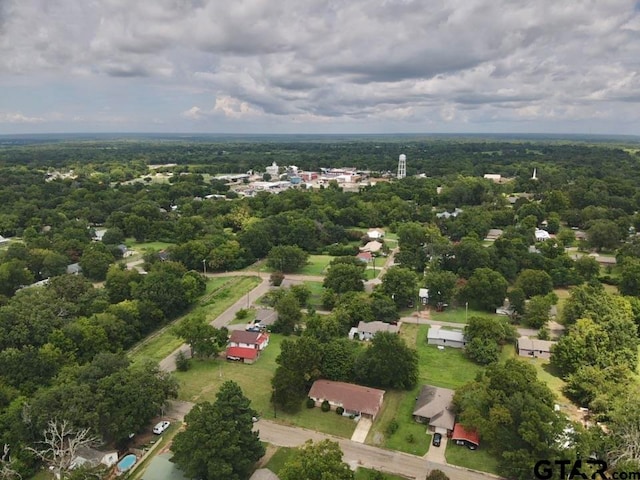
<point x="325" y="407"/>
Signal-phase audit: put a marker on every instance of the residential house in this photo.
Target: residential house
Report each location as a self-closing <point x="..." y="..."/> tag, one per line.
<point x="445" y="338"/>
<point x="365" y="257"/>
<point x="3" y="240"/>
<point x="447" y="215"/>
<point x="375" y="234"/>
<point x="423" y="295"/>
<point x="90" y="457"/>
<point x="434" y="407"/>
<point x="368" y="330"/>
<point x="355" y="399"/>
<point x="372" y="247"/>
<point x="462" y="436"/>
<point x="246" y="346"/>
<point x="494" y="177"/>
<point x="494" y="234"/>
<point x="542" y="235"/>
<point x="534" y="348"/>
<point x="98" y="234"/>
<point x="74" y="269"/>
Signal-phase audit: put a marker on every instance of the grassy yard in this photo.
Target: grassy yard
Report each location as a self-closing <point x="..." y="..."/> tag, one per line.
<point x="225" y="292"/>
<point x="448" y="368"/>
<point x="316" y="265"/>
<point x="459" y="314"/>
<point x="476" y="459"/>
<point x="317" y="289"/>
<point x="410" y="437"/>
<point x="142" y="246"/>
<point x="367" y="474"/>
<point x="203" y="380"/>
<point x="278" y="460"/>
<point x="370" y="273"/>
<point x="251" y="316"/>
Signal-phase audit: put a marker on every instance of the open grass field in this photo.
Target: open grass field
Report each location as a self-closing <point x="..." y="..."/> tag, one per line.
<point x="366" y="474"/>
<point x="223" y="293"/>
<point x="458" y="314"/>
<point x="315" y="300"/>
<point x="370" y="273"/>
<point x="202" y="381"/>
<point x="316" y="265"/>
<point x="142" y="246"/>
<point x="479" y="459"/>
<point x="410" y="437"/>
<point x="448" y="368"/>
<point x="251" y="315"/>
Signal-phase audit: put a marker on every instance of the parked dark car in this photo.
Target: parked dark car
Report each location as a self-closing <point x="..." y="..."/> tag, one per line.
<point x="437" y="438"/>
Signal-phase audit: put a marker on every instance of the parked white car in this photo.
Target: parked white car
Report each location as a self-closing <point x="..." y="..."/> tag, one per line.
<point x="161" y="427"/>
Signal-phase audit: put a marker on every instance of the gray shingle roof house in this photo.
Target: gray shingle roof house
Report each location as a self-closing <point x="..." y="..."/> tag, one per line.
<point x="534" y="348"/>
<point x="368" y="330"/>
<point x="433" y="407"/>
<point x="445" y="338"/>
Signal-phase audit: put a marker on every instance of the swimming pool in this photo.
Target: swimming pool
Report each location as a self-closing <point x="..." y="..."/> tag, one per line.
<point x="127" y="462"/>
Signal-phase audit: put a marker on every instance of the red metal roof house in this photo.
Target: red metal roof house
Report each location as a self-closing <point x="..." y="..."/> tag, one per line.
<point x="468" y="438"/>
<point x="246" y="346"/>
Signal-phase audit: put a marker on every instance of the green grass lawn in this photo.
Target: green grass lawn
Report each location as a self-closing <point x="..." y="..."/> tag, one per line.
<point x="316" y="265"/>
<point x="370" y="273"/>
<point x="479" y="459"/>
<point x="317" y="289"/>
<point x="251" y="316"/>
<point x="448" y="368"/>
<point x="366" y="474"/>
<point x="225" y="292"/>
<point x="459" y="314"/>
<point x="203" y="380"/>
<point x="278" y="460"/>
<point x="410" y="437"/>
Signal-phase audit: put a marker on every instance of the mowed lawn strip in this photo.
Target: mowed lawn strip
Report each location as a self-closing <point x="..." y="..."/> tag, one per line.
<point x="479" y="459"/>
<point x="316" y="288"/>
<point x="459" y="315"/>
<point x="366" y="474"/>
<point x="225" y="291"/>
<point x="203" y="380"/>
<point x="410" y="437"/>
<point x="316" y="265"/>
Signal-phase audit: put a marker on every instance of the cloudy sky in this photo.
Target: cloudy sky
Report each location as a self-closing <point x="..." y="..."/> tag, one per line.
<point x="320" y="66"/>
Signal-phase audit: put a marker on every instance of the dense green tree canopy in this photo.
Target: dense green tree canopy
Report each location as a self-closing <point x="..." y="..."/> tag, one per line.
<point x="218" y="443"/>
<point x="320" y="461"/>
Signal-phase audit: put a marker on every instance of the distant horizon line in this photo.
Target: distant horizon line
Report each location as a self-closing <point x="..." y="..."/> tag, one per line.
<point x="325" y="135"/>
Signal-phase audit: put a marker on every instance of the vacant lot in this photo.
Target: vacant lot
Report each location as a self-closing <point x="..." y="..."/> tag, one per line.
<point x="316" y="265"/>
<point x="459" y="314"/>
<point x="316" y="288"/>
<point x="366" y="474"/>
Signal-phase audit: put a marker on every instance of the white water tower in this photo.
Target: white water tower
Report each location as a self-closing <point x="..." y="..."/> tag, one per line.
<point x="402" y="166"/>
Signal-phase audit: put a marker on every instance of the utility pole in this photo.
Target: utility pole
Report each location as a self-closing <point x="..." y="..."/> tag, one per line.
<point x="466" y="312"/>
<point x="204" y="265"/>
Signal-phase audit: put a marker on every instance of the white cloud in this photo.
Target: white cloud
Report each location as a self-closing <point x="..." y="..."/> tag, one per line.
<point x="17" y="117"/>
<point x="457" y="62"/>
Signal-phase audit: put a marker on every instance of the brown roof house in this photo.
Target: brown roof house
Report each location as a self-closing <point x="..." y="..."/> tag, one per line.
<point x="534" y="348"/>
<point x="433" y="407"/>
<point x="355" y="399"/>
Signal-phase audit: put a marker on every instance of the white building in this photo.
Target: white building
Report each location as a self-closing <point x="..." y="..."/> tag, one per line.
<point x="273" y="170"/>
<point x="542" y="235"/>
<point x="445" y="338"/>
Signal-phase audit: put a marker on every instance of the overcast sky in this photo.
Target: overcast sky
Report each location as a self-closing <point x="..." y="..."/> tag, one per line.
<point x="314" y="66"/>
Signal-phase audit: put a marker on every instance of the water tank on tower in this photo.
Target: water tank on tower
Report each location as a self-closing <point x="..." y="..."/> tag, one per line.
<point x="402" y="166"/>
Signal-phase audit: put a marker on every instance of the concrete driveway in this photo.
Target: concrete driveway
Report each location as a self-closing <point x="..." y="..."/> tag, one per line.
<point x="362" y="430"/>
<point x="436" y="454"/>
